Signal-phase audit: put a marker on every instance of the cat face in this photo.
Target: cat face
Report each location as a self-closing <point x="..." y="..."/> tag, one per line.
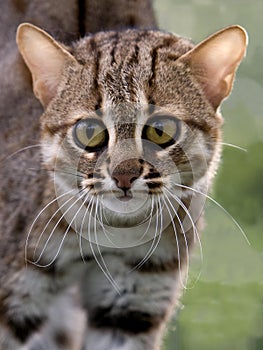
<point x="131" y="121"/>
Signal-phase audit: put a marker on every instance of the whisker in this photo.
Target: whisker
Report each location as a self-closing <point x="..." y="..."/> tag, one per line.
<point x="67" y="230"/>
<point x="106" y="273"/>
<point x="219" y="206"/>
<point x="81" y="228"/>
<point x="19" y="151"/>
<point x="180" y="202"/>
<point x="53" y="230"/>
<point x="105" y="231"/>
<point x="234" y="146"/>
<point x="68" y="171"/>
<point x="50" y="220"/>
<point x="37" y="217"/>
<point x="177" y="243"/>
<point x="196" y="235"/>
<point x="182" y="229"/>
<point x="155" y="243"/>
<point x="102" y="212"/>
<point x="149" y="220"/>
<point x="76" y="174"/>
<point x="149" y="252"/>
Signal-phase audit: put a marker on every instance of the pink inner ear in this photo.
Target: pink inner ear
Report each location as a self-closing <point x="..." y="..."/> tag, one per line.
<point x="44" y="91"/>
<point x="46" y="74"/>
<point x="46" y="79"/>
<point x="45" y="59"/>
<point x="216" y="83"/>
<point x="215" y="60"/>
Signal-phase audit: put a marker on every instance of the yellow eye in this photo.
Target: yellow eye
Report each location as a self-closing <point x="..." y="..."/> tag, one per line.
<point x="90" y="134"/>
<point x="163" y="130"/>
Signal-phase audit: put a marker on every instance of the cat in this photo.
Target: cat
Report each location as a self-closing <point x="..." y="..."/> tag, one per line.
<point x="96" y="235"/>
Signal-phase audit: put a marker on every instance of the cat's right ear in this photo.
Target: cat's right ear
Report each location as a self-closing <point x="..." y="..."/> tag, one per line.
<point x="45" y="59"/>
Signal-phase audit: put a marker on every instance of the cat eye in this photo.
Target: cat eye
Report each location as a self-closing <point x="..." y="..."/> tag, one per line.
<point x="90" y="134"/>
<point x="162" y="130"/>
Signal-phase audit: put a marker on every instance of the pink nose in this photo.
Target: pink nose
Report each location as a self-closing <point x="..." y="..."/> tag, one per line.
<point x="124" y="181"/>
<point x="126" y="172"/>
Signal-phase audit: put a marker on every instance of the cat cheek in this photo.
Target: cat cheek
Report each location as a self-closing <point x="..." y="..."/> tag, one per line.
<point x="51" y="149"/>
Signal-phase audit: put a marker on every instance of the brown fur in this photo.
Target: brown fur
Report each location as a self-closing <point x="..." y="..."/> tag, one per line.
<point x="123" y="80"/>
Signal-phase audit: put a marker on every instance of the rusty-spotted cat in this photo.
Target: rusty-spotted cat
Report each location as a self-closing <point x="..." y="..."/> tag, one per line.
<point x="130" y="142"/>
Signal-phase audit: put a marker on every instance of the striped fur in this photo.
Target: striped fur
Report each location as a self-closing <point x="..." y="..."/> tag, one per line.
<point x="107" y="230"/>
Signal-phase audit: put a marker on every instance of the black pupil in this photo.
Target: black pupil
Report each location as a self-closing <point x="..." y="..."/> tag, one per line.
<point x="90" y="130"/>
<point x="158" y="128"/>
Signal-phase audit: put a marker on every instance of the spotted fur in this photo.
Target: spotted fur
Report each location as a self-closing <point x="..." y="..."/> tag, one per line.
<point x="96" y="245"/>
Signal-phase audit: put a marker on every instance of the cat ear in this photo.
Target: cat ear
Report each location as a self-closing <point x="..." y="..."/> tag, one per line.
<point x="45" y="59"/>
<point x="215" y="60"/>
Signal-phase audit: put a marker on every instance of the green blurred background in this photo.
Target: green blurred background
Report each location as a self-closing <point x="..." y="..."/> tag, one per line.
<point x="223" y="310"/>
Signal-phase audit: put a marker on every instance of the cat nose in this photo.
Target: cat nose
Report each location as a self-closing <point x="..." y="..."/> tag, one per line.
<point x="126" y="173"/>
<point x="124" y="181"/>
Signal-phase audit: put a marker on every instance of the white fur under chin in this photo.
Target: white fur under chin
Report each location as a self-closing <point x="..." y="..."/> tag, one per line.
<point x="119" y="213"/>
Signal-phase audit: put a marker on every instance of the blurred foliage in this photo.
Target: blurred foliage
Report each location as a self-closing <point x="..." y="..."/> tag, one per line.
<point x="223" y="310"/>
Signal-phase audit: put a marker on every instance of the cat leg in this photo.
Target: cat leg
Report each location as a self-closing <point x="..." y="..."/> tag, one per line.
<point x="133" y="316"/>
<point x="64" y="328"/>
<point x="7" y="339"/>
<point x="24" y="303"/>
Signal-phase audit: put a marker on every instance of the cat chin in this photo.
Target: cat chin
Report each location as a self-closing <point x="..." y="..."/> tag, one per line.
<point x="117" y="211"/>
<point x="113" y="218"/>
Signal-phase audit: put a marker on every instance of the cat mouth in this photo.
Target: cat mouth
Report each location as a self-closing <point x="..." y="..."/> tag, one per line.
<point x="125" y="210"/>
<point x="125" y="198"/>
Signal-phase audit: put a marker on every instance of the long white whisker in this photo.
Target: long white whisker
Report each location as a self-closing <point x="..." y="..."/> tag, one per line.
<point x="90" y="205"/>
<point x="148" y="253"/>
<point x="149" y="220"/>
<point x="155" y="243"/>
<point x="37" y="217"/>
<point x="103" y="214"/>
<point x="67" y="172"/>
<point x="75" y="216"/>
<point x="105" y="271"/>
<point x="177" y="199"/>
<point x="20" y="150"/>
<point x="50" y="220"/>
<point x="177" y="243"/>
<point x="67" y="230"/>
<point x="196" y="234"/>
<point x="220" y="206"/>
<point x="53" y="230"/>
<point x="115" y="285"/>
<point x="107" y="234"/>
<point x="181" y="226"/>
<point x="82" y="226"/>
<point x="234" y="146"/>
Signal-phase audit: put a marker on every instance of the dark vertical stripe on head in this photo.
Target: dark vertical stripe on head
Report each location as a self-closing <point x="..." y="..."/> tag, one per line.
<point x="154" y="59"/>
<point x="115" y="43"/>
<point x="133" y="61"/>
<point x="97" y="56"/>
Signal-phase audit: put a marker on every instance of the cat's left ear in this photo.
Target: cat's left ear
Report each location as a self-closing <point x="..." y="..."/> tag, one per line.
<point x="45" y="59"/>
<point x="215" y="60"/>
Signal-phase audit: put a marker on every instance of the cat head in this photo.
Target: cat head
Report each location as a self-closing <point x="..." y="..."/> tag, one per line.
<point x="131" y="118"/>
